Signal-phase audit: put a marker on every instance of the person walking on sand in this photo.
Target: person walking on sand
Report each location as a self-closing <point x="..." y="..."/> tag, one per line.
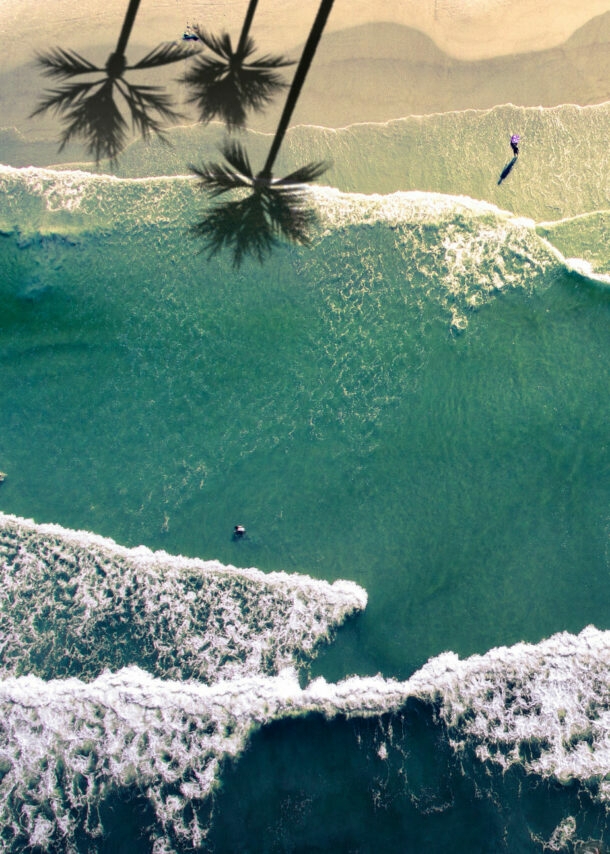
<point x="514" y="143"/>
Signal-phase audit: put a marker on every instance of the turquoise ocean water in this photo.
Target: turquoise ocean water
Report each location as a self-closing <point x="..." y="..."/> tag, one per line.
<point x="410" y="417"/>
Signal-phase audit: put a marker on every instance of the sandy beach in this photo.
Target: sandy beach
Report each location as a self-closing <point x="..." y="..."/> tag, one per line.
<point x="410" y="59"/>
<point x="472" y="30"/>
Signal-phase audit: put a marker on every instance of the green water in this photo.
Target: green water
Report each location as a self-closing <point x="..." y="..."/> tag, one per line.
<point x="344" y="797"/>
<point x="460" y="478"/>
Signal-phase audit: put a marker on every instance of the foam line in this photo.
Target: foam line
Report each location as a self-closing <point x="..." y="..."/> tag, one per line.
<point x="73" y="603"/>
<point x="544" y="706"/>
<point x="473" y="251"/>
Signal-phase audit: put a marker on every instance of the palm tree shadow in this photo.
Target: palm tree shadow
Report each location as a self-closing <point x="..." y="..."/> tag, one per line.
<point x="230" y="82"/>
<point x="507" y="169"/>
<point x="266" y="208"/>
<point x="91" y="109"/>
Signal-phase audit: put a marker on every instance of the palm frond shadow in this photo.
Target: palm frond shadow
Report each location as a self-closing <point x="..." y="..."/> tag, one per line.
<point x="230" y="82"/>
<point x="264" y="211"/>
<point x="252" y="224"/>
<point x="92" y="110"/>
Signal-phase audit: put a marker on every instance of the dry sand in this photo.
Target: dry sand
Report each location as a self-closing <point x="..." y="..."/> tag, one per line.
<point x="463" y="29"/>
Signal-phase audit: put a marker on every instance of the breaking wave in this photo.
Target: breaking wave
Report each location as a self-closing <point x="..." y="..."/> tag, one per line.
<point x="68" y="748"/>
<point x="454" y="250"/>
<point x="75" y="604"/>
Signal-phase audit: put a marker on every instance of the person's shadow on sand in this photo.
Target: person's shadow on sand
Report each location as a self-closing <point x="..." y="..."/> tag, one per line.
<point x="507" y="169"/>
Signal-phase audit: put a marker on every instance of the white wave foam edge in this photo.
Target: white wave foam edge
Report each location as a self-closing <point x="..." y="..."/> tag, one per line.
<point x="545" y="706"/>
<point x="70" y="187"/>
<point x="586" y="270"/>
<point x="477" y="234"/>
<point x="74" y="603"/>
<point x="143" y="556"/>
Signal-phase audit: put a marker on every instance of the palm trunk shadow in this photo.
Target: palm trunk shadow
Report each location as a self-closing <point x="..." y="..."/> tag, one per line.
<point x="507" y="169"/>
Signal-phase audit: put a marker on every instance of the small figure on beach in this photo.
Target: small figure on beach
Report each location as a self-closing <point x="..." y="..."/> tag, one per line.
<point x="189" y="35"/>
<point x="514" y="143"/>
<point x="239" y="532"/>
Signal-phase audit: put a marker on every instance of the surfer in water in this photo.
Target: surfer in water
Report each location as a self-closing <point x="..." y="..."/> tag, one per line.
<point x="239" y="532"/>
<point x="514" y="143"/>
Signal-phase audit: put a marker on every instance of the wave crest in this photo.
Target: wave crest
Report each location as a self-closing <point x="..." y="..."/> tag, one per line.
<point x="74" y="604"/>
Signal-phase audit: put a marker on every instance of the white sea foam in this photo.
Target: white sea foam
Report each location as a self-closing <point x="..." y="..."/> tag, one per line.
<point x="470" y="250"/>
<point x="339" y="208"/>
<point x="68" y="189"/>
<point x="127" y="728"/>
<point x="60" y="189"/>
<point x="545" y="706"/>
<point x="75" y="603"/>
<point x="122" y="729"/>
<point x="58" y="199"/>
<point x="586" y="270"/>
<point x="459" y="251"/>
